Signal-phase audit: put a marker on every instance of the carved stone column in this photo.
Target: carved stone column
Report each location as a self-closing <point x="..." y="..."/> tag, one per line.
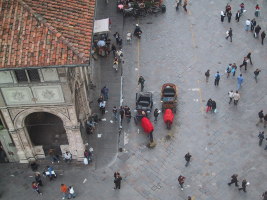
<point x="76" y="145"/>
<point x="23" y="147"/>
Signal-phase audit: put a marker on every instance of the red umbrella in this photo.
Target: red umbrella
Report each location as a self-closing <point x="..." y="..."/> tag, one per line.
<point x="147" y="125"/>
<point x="168" y="116"/>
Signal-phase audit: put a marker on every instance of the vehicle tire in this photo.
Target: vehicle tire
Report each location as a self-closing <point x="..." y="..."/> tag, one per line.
<point x="168" y="125"/>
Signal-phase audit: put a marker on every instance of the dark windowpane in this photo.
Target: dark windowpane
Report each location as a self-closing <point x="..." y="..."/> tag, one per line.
<point x="33" y="75"/>
<point x="21" y="75"/>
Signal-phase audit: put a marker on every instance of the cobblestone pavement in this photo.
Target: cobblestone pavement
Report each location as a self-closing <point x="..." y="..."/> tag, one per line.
<point x="179" y="47"/>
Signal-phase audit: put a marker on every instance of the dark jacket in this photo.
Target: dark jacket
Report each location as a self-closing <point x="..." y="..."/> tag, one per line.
<point x="261" y="115"/>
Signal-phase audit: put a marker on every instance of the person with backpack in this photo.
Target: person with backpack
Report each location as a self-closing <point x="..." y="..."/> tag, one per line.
<point x="181" y="180"/>
<point x="228" y="70"/>
<point x="217" y="79"/>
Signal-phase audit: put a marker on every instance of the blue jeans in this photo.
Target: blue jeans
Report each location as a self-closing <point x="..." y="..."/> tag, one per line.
<point x="72" y="195"/>
<point x="246" y="27"/>
<point x="238" y="86"/>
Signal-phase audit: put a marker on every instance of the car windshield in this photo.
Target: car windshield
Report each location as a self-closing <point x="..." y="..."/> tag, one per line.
<point x="168" y="92"/>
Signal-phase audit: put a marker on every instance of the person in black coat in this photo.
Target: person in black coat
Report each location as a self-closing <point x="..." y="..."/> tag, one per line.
<point x="237" y="16"/>
<point x="229" y="15"/>
<point x="253" y="24"/>
<point x="213" y="106"/>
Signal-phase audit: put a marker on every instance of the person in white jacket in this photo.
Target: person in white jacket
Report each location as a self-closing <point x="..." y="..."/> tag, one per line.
<point x="231" y="95"/>
<point x="72" y="193"/>
<point x="236" y="97"/>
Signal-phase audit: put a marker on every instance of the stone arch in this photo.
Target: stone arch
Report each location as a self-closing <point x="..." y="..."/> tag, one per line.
<point x="19" y="119"/>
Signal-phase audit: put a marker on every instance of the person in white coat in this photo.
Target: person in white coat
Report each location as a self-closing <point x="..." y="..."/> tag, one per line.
<point x="236" y="97"/>
<point x="72" y="193"/>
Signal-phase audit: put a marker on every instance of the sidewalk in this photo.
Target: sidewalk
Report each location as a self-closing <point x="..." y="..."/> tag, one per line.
<point x="105" y="139"/>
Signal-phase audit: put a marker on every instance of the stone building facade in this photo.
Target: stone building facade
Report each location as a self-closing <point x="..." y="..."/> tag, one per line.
<point x="44" y="76"/>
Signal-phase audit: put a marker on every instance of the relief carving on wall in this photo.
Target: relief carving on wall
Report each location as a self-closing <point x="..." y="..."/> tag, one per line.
<point x="17" y="95"/>
<point x="48" y="94"/>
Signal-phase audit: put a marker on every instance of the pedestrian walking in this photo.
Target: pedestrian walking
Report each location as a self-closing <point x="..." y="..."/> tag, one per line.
<point x="104" y="92"/>
<point x="240" y="80"/>
<point x="141" y="81"/>
<point x="247" y="24"/>
<point x="257" y="31"/>
<point x="184" y="6"/>
<point x="213" y="106"/>
<point x="209" y="105"/>
<point x="38" y="179"/>
<point x="234" y="180"/>
<point x="115" y="113"/>
<point x="263" y="35"/>
<point x="234" y="67"/>
<point x="261" y="117"/>
<point x="217" y="79"/>
<point x="122" y="112"/>
<point x="72" y="193"/>
<point x="181" y="180"/>
<point x="242" y="8"/>
<point x="253" y="24"/>
<point x="243" y="185"/>
<point x="35" y="187"/>
<point x="117" y="181"/>
<point x="249" y="57"/>
<point x="156" y="114"/>
<point x="187" y="158"/>
<point x="128" y="115"/>
<point x="257" y="10"/>
<point x="222" y="16"/>
<point x="64" y="191"/>
<point x="117" y="36"/>
<point x="265" y="120"/>
<point x="102" y="107"/>
<point x="178" y="3"/>
<point x="87" y="154"/>
<point x="256" y="74"/>
<point x="245" y="63"/>
<point x="228" y="70"/>
<point x="264" y="196"/>
<point x="229" y="16"/>
<point x="231" y="96"/>
<point x="113" y="49"/>
<point x="229" y="33"/>
<point x="227" y="8"/>
<point x="207" y="75"/>
<point x="237" y="16"/>
<point x="261" y="137"/>
<point x="236" y="97"/>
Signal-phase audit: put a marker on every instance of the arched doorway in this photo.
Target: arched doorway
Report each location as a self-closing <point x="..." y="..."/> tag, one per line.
<point x="47" y="130"/>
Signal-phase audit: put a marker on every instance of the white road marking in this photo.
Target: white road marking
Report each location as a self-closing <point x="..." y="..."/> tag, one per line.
<point x="99" y="135"/>
<point x="84" y="180"/>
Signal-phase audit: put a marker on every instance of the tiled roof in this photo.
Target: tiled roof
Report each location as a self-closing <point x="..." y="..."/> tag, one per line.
<point x="45" y="32"/>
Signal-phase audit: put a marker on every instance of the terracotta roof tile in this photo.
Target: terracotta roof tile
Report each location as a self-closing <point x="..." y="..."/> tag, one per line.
<point x="45" y="32"/>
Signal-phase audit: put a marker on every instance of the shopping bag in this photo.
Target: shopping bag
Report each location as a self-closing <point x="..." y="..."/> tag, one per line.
<point x="85" y="161"/>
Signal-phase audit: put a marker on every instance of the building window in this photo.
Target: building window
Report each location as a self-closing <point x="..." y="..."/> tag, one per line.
<point x="30" y="75"/>
<point x="21" y="76"/>
<point x="33" y="75"/>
